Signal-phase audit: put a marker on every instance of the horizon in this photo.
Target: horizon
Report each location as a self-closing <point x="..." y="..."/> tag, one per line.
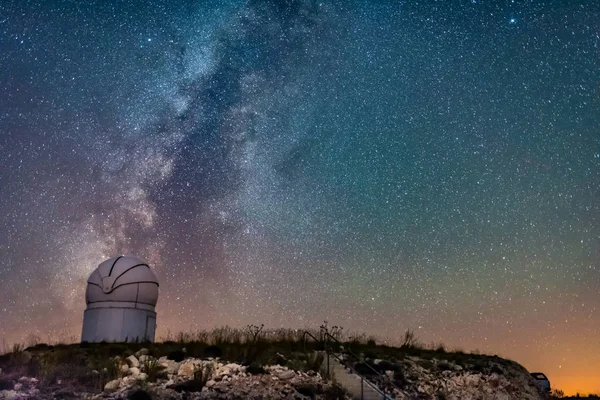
<point x="384" y="166"/>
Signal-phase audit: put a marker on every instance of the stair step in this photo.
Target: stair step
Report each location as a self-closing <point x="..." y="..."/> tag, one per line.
<point x="352" y="382"/>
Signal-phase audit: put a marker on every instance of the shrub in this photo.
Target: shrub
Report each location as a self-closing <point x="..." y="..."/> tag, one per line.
<point x="140" y="395"/>
<point x="255" y="369"/>
<point x="362" y="368"/>
<point x="152" y="368"/>
<point x="478" y="367"/>
<point x="314" y="361"/>
<point x="307" y="389"/>
<point x="5" y="383"/>
<point x="439" y="348"/>
<point x="496" y="370"/>
<point x="399" y="379"/>
<point x="176" y="355"/>
<point x="202" y="373"/>
<point x="213" y="351"/>
<point x="335" y="392"/>
<point x="386" y="366"/>
<point x="444" y="366"/>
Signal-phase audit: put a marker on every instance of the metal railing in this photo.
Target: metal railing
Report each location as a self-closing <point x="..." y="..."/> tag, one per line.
<point x="328" y="351"/>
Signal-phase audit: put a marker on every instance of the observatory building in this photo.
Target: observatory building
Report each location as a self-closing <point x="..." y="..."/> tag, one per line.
<point x="121" y="296"/>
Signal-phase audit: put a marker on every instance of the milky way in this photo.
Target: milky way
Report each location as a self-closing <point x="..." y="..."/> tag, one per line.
<point x="381" y="165"/>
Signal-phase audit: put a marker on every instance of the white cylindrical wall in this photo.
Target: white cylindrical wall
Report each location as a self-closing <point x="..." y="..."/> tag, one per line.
<point x="118" y="325"/>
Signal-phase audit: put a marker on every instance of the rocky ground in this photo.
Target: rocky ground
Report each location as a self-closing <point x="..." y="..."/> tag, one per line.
<point x="419" y="378"/>
<point x="142" y="376"/>
<point x="277" y="369"/>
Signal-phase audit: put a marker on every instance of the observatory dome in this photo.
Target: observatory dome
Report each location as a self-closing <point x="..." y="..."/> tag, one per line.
<point x="122" y="279"/>
<point x="121" y="296"/>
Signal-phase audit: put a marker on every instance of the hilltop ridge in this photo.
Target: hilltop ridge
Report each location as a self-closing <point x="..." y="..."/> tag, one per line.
<point x="253" y="363"/>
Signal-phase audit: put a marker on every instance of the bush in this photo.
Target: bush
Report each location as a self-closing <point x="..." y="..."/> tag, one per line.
<point x="363" y="368"/>
<point x="140" y="395"/>
<point x="444" y="366"/>
<point x="213" y="351"/>
<point x="255" y="369"/>
<point x="314" y="361"/>
<point x="152" y="368"/>
<point x="399" y="379"/>
<point x="409" y="340"/>
<point x="307" y="389"/>
<point x="497" y="370"/>
<point x="426" y="364"/>
<point x="176" y="355"/>
<point x="385" y="365"/>
<point x="335" y="392"/>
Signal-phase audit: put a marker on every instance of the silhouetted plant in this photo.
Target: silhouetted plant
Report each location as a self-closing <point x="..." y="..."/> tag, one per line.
<point x="409" y="340"/>
<point x="252" y="333"/>
<point x="371" y="341"/>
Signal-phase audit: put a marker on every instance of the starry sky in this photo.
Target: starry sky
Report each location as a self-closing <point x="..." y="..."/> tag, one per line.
<point x="382" y="165"/>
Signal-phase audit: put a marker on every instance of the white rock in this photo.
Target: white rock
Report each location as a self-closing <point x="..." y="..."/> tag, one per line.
<point x="187" y="368"/>
<point x="128" y="380"/>
<point x="210" y="383"/>
<point x="172" y="367"/>
<point x="142" y="377"/>
<point x="18" y="386"/>
<point x="133" y="361"/>
<point x="134" y="371"/>
<point x="8" y="394"/>
<point x="112" y="385"/>
<point x="144" y="358"/>
<point x="142" y="352"/>
<point x="124" y="369"/>
<point x="285" y="375"/>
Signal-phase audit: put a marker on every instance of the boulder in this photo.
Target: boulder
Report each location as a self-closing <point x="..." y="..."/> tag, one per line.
<point x="142" y="352"/>
<point x="133" y="361"/>
<point x="124" y="369"/>
<point x="210" y="383"/>
<point x="111" y="386"/>
<point x="171" y="367"/>
<point x="8" y="394"/>
<point x="187" y="368"/>
<point x="134" y="371"/>
<point x="285" y="375"/>
<point x="142" y="376"/>
<point x="144" y="358"/>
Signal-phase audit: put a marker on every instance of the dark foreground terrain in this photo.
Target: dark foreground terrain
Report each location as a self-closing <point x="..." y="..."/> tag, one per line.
<point x="231" y="363"/>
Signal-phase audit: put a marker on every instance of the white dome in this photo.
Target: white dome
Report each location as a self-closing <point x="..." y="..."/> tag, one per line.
<point x="122" y="279"/>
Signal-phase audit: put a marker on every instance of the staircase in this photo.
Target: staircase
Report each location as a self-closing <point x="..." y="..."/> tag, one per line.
<point x="358" y="387"/>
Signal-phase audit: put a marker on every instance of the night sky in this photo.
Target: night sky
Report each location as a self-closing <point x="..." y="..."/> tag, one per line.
<point x="384" y="165"/>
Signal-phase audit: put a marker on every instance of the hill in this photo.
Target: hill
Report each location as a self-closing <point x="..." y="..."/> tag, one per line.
<point x="254" y="363"/>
